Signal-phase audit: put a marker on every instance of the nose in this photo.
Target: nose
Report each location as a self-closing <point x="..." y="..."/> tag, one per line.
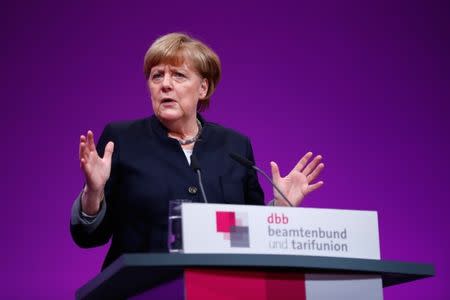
<point x="167" y="82"/>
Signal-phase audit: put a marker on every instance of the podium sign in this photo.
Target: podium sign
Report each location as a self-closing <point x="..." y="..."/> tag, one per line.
<point x="247" y="229"/>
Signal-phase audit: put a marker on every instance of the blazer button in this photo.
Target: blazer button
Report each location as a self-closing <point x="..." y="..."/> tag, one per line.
<point x="192" y="190"/>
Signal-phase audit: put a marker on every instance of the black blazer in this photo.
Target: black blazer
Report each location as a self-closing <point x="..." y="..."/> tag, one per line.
<point x="149" y="169"/>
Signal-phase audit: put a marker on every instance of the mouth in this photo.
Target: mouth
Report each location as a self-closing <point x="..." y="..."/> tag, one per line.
<point x="167" y="100"/>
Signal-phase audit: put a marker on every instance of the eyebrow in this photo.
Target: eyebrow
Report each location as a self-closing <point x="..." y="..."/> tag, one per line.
<point x="171" y="68"/>
<point x="155" y="70"/>
<point x="179" y="68"/>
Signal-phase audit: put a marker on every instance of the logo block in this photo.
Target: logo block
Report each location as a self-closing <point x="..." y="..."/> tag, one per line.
<point x="232" y="225"/>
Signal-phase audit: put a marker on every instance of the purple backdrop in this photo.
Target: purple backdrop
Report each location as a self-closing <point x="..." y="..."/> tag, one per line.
<point x="366" y="85"/>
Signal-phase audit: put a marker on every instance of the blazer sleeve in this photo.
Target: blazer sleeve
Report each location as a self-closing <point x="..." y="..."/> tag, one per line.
<point x="84" y="234"/>
<point x="90" y="223"/>
<point x="254" y="194"/>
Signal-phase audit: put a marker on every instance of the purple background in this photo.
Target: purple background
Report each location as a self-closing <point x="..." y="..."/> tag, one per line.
<point x="365" y="85"/>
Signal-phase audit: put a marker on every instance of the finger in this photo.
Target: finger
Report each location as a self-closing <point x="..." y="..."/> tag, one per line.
<point x="82" y="140"/>
<point x="84" y="166"/>
<point x="312" y="165"/>
<point x="83" y="151"/>
<point x="311" y="177"/>
<point x="302" y="162"/>
<point x="275" y="171"/>
<point x="85" y="154"/>
<point x="109" y="149"/>
<point x="90" y="141"/>
<point x="80" y="148"/>
<point x="313" y="187"/>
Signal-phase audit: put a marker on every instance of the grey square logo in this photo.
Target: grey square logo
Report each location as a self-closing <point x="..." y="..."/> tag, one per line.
<point x="239" y="236"/>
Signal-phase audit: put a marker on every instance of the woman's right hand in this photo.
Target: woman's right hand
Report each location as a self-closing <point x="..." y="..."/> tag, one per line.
<point x="96" y="171"/>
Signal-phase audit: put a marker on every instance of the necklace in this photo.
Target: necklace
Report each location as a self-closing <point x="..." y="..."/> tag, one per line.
<point x="193" y="139"/>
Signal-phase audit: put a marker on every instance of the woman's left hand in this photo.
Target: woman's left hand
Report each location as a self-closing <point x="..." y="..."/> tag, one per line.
<point x="298" y="183"/>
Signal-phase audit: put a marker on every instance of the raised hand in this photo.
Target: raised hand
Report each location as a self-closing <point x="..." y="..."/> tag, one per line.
<point x="298" y="183"/>
<point x="96" y="171"/>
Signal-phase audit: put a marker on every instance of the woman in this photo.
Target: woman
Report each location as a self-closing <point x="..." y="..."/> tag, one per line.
<point x="138" y="166"/>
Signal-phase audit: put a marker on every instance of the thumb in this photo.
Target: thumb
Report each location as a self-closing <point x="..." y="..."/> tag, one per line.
<point x="275" y="171"/>
<point x="109" y="149"/>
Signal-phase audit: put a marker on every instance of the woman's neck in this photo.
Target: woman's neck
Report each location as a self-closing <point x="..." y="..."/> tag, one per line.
<point x="182" y="130"/>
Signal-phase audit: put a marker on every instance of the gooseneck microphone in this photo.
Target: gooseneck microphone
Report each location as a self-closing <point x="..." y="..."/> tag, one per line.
<point x="195" y="165"/>
<point x="249" y="164"/>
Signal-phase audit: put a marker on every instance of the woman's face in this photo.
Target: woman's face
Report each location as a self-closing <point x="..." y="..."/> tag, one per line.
<point x="175" y="91"/>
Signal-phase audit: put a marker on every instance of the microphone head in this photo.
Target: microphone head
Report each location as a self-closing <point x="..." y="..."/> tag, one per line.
<point x="242" y="160"/>
<point x="195" y="165"/>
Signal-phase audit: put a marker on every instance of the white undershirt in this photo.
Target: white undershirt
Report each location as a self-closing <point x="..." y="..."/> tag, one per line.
<point x="188" y="153"/>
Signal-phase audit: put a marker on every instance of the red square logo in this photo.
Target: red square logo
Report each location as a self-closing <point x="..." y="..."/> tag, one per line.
<point x="224" y="221"/>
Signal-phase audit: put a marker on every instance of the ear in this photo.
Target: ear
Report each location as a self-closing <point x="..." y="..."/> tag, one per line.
<point x="203" y="88"/>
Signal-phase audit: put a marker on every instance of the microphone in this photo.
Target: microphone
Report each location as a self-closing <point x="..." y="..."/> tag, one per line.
<point x="249" y="164"/>
<point x="195" y="165"/>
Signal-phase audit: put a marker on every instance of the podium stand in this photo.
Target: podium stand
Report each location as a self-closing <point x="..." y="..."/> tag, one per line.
<point x="240" y="276"/>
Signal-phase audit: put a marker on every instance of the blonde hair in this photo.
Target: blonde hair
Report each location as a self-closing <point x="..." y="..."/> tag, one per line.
<point x="176" y="48"/>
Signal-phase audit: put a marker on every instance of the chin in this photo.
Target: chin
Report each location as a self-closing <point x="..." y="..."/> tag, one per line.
<point x="167" y="115"/>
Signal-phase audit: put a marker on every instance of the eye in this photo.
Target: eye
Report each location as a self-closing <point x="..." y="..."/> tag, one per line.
<point x="179" y="75"/>
<point x="156" y="75"/>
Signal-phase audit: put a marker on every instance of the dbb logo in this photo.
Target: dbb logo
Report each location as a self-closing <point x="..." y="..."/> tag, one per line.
<point x="276" y="219"/>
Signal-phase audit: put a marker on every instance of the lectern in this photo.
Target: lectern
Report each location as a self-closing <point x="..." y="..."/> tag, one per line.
<point x="248" y="276"/>
<point x="260" y="252"/>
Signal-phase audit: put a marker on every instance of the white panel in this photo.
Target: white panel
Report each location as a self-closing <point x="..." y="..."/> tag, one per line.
<point x="283" y="230"/>
<point x="343" y="287"/>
